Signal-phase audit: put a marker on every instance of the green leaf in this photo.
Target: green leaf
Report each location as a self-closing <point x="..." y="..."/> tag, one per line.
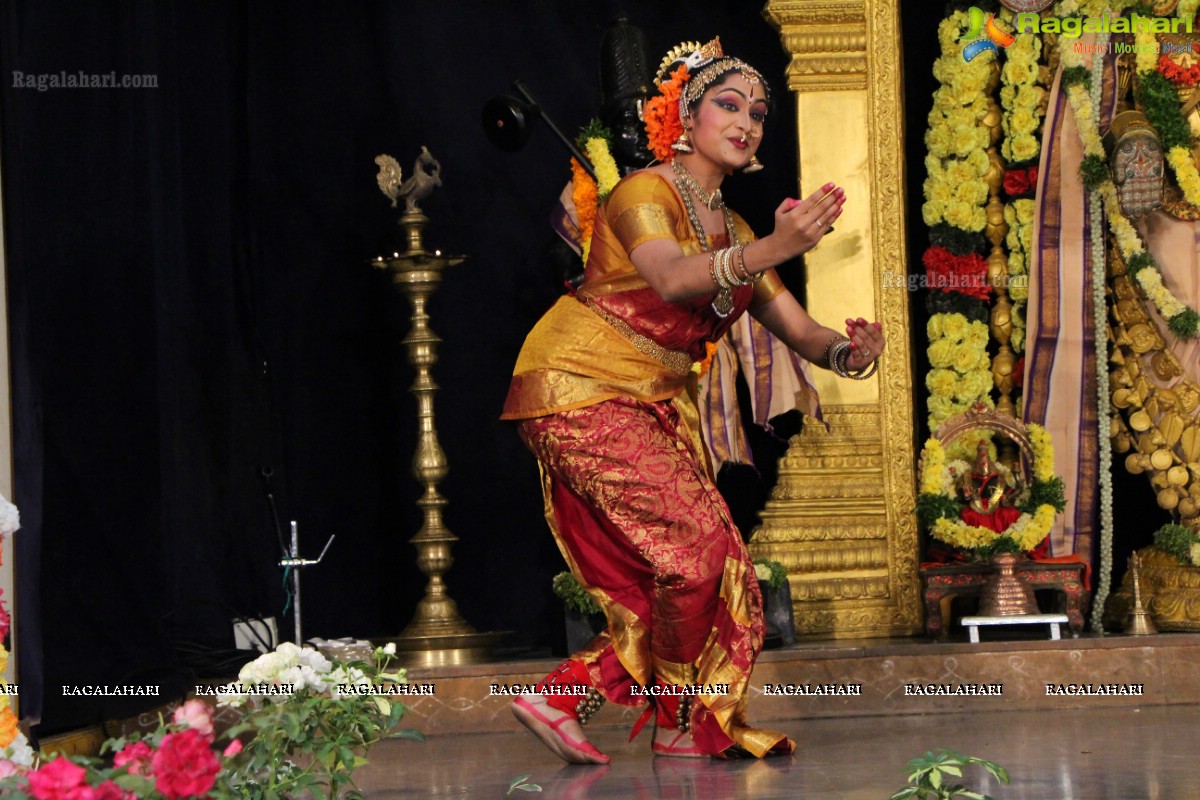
<point x="951" y="769"/>
<point x="1076" y="75"/>
<point x="930" y="508"/>
<point x="1185" y="324"/>
<point x="1094" y="171"/>
<point x="998" y="772"/>
<point x="935" y="778"/>
<point x="905" y="793"/>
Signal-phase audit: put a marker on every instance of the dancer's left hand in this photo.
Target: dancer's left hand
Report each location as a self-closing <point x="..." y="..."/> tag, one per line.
<point x="866" y="343"/>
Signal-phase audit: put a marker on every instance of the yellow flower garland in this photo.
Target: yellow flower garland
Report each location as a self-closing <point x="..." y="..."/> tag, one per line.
<point x="961" y="374"/>
<point x="1027" y="531"/>
<point x="1129" y="242"/>
<point x="955" y="192"/>
<point x="934" y="477"/>
<point x="1186" y="174"/>
<point x="607" y="173"/>
<point x="1021" y="96"/>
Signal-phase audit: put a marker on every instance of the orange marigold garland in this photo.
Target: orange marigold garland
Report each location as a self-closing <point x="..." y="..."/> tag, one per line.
<point x="661" y="115"/>
<point x="710" y="350"/>
<point x="585" y="196"/>
<point x="8" y="726"/>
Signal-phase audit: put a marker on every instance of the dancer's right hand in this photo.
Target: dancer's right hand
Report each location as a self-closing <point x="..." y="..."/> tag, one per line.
<point x="800" y="224"/>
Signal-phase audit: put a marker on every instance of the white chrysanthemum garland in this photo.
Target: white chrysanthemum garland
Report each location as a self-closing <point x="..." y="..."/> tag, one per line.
<point x="1083" y="100"/>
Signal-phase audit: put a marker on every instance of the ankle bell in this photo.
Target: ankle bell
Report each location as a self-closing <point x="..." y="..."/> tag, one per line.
<point x="588" y="705"/>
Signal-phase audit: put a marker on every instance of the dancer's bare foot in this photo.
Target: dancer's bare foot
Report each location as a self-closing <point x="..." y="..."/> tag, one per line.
<point x="676" y="743"/>
<point x="557" y="729"/>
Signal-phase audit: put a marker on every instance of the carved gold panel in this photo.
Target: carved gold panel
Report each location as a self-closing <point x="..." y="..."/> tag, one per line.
<point x="841" y="515"/>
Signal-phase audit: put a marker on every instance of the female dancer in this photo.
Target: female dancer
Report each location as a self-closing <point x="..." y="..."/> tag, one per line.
<point x="601" y="388"/>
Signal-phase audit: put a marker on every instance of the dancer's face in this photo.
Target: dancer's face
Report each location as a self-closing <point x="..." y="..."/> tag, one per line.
<point x="728" y="121"/>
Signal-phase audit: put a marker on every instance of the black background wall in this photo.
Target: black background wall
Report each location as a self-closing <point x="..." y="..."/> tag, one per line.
<point x="191" y="310"/>
<point x="191" y="305"/>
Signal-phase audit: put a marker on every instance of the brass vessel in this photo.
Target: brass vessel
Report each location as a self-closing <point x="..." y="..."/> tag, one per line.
<point x="1005" y="594"/>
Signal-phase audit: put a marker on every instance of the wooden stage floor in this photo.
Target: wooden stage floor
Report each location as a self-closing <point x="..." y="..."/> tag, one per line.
<point x="1120" y="753"/>
<point x="1056" y="746"/>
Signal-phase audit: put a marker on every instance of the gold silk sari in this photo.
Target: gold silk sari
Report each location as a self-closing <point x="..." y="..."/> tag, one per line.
<point x="602" y="389"/>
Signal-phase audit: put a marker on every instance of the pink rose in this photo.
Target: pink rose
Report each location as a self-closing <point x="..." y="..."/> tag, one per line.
<point x="184" y="766"/>
<point x="233" y="749"/>
<point x="136" y="756"/>
<point x="195" y="715"/>
<point x="7" y="768"/>
<point x="55" y="780"/>
<point x="110" y="791"/>
<point x="5" y="621"/>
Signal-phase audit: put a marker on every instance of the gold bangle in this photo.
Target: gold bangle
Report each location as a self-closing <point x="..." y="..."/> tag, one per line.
<point x="712" y="269"/>
<point x="739" y="266"/>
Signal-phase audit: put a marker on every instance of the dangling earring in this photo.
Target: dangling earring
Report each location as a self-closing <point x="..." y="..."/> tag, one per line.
<point x="683" y="144"/>
<point x="754" y="166"/>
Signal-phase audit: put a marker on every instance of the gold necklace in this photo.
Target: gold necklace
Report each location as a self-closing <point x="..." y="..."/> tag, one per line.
<point x="711" y="201"/>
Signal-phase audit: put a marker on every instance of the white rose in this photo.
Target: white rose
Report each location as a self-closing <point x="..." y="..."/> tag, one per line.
<point x="10" y="518"/>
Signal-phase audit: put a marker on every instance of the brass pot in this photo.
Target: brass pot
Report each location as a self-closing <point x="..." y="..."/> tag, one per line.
<point x="1005" y="594"/>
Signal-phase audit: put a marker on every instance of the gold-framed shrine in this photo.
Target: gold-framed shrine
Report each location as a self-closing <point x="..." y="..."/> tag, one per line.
<point x="841" y="517"/>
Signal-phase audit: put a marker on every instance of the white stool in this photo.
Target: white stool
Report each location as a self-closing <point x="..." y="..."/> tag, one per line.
<point x="973" y="624"/>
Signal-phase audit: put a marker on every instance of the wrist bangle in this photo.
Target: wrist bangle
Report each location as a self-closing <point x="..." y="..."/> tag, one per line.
<point x="753" y="277"/>
<point x="825" y="357"/>
<point x="838" y="357"/>
<point x="712" y="270"/>
<point x="865" y="372"/>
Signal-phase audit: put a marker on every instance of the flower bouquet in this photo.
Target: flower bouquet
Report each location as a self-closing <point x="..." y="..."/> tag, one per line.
<point x="14" y="748"/>
<point x="306" y="724"/>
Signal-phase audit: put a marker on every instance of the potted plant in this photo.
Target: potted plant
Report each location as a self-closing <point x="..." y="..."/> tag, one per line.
<point x="777" y="599"/>
<point x="585" y="619"/>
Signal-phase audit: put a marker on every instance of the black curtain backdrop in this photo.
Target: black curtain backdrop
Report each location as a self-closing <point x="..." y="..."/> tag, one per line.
<point x="194" y="323"/>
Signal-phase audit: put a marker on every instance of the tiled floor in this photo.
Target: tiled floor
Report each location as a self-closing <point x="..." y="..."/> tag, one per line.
<point x="1082" y="754"/>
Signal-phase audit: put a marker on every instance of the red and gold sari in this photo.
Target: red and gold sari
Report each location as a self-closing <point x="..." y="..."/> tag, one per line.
<point x="605" y="393"/>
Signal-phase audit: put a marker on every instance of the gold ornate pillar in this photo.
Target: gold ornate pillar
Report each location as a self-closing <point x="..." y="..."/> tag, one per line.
<point x="841" y="515"/>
